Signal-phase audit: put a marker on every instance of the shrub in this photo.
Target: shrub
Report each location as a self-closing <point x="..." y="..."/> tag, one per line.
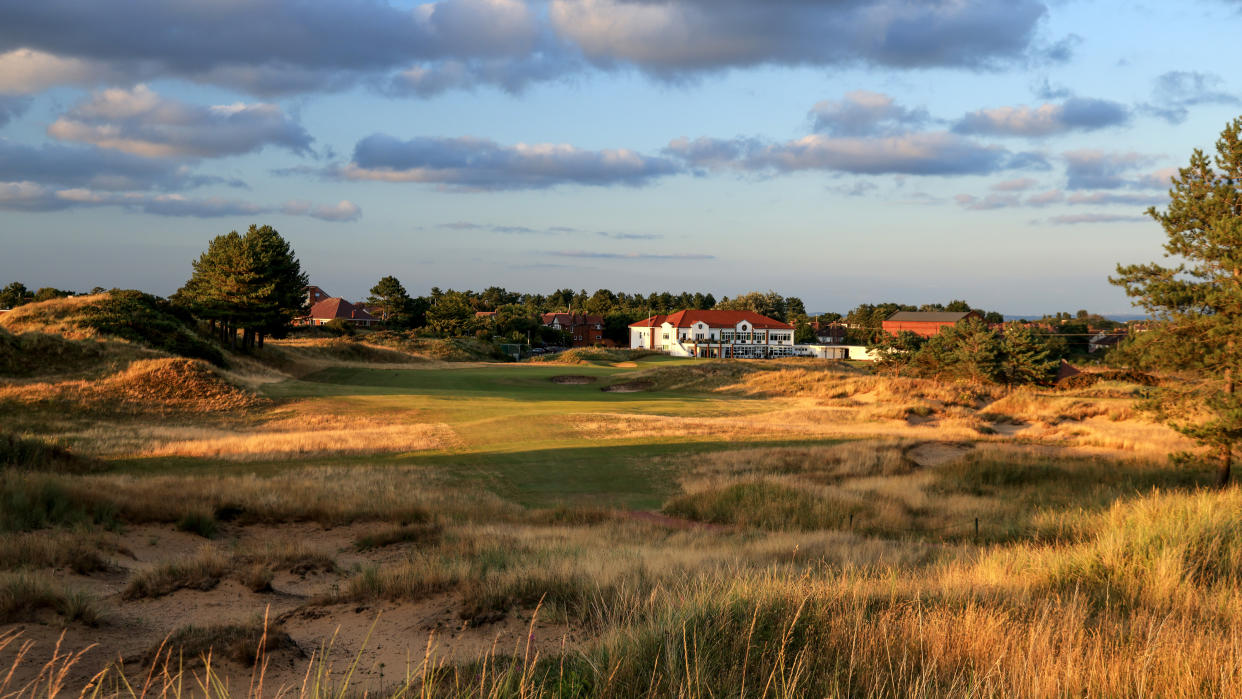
<point x="23" y="595"/>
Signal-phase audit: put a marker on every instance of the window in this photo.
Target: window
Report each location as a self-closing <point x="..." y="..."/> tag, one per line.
<point x="665" y="336"/>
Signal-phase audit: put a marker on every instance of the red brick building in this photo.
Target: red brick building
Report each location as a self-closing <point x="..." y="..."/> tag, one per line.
<point x="587" y="330"/>
<point x="925" y="323"/>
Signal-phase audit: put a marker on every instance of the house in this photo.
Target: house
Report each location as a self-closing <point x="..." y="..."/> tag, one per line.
<point x="925" y="323"/>
<point x="828" y="333"/>
<point x="587" y="330"/>
<point x="1105" y="340"/>
<point x="336" y="308"/>
<point x="484" y="315"/>
<point x="742" y="334"/>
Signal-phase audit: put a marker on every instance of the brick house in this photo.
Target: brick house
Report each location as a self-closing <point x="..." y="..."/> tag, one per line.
<point x="586" y="330"/>
<point x="925" y="323"/>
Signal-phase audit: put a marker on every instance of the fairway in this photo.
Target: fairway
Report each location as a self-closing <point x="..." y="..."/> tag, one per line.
<point x="516" y="432"/>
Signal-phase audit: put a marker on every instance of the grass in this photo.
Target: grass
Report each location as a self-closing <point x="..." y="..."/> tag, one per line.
<point x="846" y="561"/>
<point x="24" y="595"/>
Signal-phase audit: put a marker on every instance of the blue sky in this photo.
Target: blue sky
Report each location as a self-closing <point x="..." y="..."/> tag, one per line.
<point x="841" y="151"/>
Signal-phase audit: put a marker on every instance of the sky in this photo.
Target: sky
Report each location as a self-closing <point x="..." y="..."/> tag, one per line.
<point x="842" y="151"/>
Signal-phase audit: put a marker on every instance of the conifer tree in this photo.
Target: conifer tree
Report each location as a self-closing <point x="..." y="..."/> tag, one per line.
<point x="1200" y="299"/>
<point x="251" y="283"/>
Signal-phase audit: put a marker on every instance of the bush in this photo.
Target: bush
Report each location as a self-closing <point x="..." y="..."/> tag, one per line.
<point x="340" y="326"/>
<point x="151" y="321"/>
<point x="27" y="454"/>
<point x="198" y="523"/>
<point x="30" y="502"/>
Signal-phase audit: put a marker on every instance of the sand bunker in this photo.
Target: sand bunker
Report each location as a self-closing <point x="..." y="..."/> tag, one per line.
<point x="629" y="386"/>
<point x="573" y="379"/>
<point x="929" y="454"/>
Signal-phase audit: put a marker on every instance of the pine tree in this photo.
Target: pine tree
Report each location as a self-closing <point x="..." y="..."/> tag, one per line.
<point x="390" y="297"/>
<point x="1028" y="356"/>
<point x="1200" y="299"/>
<point x="251" y="283"/>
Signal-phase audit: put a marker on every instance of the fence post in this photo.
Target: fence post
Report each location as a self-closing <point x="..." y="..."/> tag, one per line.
<point x="976" y="530"/>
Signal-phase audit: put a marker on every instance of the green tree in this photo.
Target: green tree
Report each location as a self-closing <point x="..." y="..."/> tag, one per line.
<point x="390" y="298"/>
<point x="1028" y="356"/>
<point x="451" y="316"/>
<point x="1200" y="299"/>
<point x="250" y="282"/>
<point x="14" y="295"/>
<point x="969" y="349"/>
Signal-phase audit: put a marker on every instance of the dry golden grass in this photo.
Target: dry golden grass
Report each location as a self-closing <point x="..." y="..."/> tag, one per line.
<point x="146" y="386"/>
<point x="52" y="317"/>
<point x="355" y="437"/>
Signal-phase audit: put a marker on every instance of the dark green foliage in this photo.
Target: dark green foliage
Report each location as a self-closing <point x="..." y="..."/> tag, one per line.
<point x="1200" y="300"/>
<point x="27" y="454"/>
<point x="35" y="354"/>
<point x="250" y="282"/>
<point x="30" y="501"/>
<point x="15" y="294"/>
<point x="973" y="351"/>
<point x="391" y="299"/>
<point x="340" y="326"/>
<point x="148" y="320"/>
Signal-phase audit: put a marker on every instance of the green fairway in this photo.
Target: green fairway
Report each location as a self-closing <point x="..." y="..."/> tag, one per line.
<point x="515" y="427"/>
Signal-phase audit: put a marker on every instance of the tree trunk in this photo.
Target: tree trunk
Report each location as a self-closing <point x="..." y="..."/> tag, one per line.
<point x="260" y="340"/>
<point x="247" y="339"/>
<point x="1226" y="451"/>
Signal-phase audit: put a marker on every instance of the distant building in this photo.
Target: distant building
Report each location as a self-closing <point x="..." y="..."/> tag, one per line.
<point x="485" y="315"/>
<point x="586" y="330"/>
<point x="720" y="334"/>
<point x="925" y="323"/>
<point x="1105" y="340"/>
<point x="828" y="333"/>
<point x="325" y="308"/>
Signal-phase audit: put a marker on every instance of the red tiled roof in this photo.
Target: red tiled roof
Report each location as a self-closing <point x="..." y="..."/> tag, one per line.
<point x="713" y="319"/>
<point x="339" y="308"/>
<point x="568" y="319"/>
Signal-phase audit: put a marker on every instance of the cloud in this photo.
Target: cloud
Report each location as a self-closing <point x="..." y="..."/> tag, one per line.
<point x="1096" y="198"/>
<point x="1176" y="91"/>
<point x="140" y="122"/>
<point x="916" y="153"/>
<point x="862" y="113"/>
<point x="991" y="201"/>
<point x="343" y="210"/>
<point x="1018" y="185"/>
<point x="32" y="196"/>
<point x="1074" y="114"/>
<point x="319" y="44"/>
<point x="92" y="167"/>
<point x="455" y="44"/>
<point x="1052" y="196"/>
<point x="473" y="164"/>
<point x="631" y="255"/>
<point x="677" y="37"/>
<point x="1096" y="169"/>
<point x="1075" y="219"/>
<point x="24" y="71"/>
<point x="629" y="236"/>
<point x="12" y="107"/>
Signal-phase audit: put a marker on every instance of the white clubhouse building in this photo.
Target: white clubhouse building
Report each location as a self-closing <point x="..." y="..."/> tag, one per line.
<point x="741" y="334"/>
